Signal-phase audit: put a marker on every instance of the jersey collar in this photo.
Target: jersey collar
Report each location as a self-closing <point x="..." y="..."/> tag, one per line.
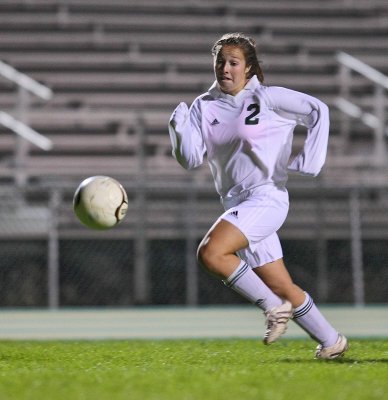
<point x="216" y="92"/>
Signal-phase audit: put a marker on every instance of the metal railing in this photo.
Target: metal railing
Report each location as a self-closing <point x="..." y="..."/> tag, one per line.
<point x="25" y="86"/>
<point x="376" y="120"/>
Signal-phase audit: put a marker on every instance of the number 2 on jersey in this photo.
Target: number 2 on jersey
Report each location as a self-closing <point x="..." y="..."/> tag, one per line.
<point x="250" y="119"/>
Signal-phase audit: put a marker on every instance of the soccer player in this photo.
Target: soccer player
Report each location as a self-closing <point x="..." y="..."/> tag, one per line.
<point x="246" y="130"/>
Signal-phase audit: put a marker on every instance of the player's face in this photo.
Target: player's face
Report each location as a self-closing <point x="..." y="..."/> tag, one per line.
<point x="230" y="69"/>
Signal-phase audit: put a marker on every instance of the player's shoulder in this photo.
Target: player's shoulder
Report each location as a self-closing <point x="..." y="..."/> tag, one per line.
<point x="275" y="94"/>
<point x="267" y="94"/>
<point x="278" y="91"/>
<point x="198" y="105"/>
<point x="283" y="92"/>
<point x="204" y="97"/>
<point x="202" y="102"/>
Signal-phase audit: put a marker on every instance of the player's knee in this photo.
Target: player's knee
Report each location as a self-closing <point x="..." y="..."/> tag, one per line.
<point x="208" y="257"/>
<point x="204" y="255"/>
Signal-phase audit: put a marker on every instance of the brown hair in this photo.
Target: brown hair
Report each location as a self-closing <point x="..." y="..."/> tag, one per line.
<point x="248" y="47"/>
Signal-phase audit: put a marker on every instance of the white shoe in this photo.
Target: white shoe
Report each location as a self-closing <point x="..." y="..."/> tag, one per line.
<point x="276" y="320"/>
<point x="337" y="350"/>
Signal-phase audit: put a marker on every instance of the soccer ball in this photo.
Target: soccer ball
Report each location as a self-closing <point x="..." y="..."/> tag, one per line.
<point x="100" y="202"/>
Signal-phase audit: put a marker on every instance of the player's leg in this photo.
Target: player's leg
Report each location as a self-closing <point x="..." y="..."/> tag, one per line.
<point x="217" y="254"/>
<point x="306" y="314"/>
<point x="265" y="252"/>
<point x="247" y="232"/>
<point x="276" y="276"/>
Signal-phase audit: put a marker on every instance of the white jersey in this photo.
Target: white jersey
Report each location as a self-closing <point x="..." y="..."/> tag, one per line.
<point x="248" y="137"/>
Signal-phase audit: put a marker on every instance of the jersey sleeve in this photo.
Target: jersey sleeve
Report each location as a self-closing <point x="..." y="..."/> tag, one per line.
<point x="312" y="113"/>
<point x="184" y="127"/>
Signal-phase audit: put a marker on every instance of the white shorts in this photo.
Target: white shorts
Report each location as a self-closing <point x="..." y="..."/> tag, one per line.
<point x="258" y="214"/>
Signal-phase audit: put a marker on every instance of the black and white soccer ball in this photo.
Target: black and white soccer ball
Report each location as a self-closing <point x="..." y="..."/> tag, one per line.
<point x="100" y="202"/>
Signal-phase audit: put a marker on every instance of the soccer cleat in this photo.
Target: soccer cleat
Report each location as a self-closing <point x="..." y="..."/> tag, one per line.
<point x="337" y="350"/>
<point x="276" y="321"/>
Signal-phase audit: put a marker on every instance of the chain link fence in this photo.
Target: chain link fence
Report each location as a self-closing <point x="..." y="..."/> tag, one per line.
<point x="46" y="254"/>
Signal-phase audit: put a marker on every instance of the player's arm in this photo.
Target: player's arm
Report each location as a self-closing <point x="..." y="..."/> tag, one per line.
<point x="314" y="114"/>
<point x="186" y="138"/>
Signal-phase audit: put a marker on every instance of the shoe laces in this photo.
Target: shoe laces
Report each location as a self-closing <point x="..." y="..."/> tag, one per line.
<point x="276" y="317"/>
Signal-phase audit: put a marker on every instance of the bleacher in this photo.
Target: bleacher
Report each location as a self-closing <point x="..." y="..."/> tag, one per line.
<point x="118" y="68"/>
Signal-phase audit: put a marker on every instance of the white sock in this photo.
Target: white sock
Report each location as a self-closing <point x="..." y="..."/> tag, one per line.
<point x="310" y="319"/>
<point x="246" y="283"/>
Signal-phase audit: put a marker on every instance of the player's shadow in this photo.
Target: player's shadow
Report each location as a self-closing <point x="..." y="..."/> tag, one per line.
<point x="359" y="361"/>
<point x="345" y="360"/>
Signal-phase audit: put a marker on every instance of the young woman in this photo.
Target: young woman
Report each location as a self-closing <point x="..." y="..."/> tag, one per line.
<point x="246" y="131"/>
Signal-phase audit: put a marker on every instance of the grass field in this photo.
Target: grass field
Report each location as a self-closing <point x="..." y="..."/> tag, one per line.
<point x="190" y="369"/>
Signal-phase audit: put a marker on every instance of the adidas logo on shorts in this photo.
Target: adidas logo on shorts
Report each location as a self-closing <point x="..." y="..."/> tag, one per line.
<point x="235" y="213"/>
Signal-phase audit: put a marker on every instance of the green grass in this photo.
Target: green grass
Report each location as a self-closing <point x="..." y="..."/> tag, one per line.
<point x="190" y="369"/>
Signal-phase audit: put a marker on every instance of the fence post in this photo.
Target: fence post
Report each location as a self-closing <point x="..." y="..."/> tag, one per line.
<point x="321" y="247"/>
<point x="53" y="250"/>
<point x="356" y="247"/>
<point x="141" y="273"/>
<point x="190" y="259"/>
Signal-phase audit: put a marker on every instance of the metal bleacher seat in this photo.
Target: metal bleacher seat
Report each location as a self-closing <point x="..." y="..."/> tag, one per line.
<point x="113" y="64"/>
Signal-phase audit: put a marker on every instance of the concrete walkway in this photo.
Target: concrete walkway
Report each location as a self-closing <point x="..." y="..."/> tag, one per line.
<point x="175" y="322"/>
